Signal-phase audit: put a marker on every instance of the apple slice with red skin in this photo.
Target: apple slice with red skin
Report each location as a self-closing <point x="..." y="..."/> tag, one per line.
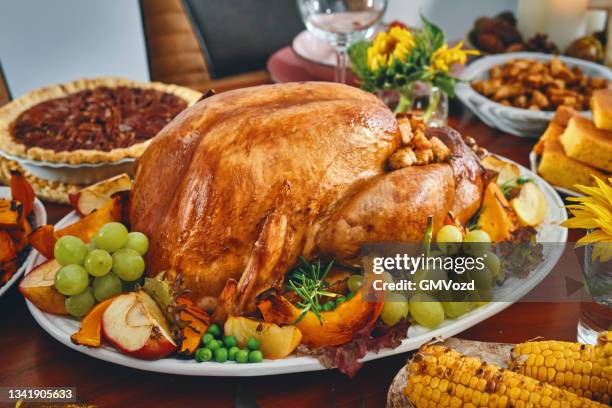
<point x="91" y="198"/>
<point x="38" y="287"/>
<point x="135" y="325"/>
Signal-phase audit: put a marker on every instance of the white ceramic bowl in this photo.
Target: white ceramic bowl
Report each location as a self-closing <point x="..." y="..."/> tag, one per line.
<point x="40" y="218"/>
<point x="87" y="173"/>
<point x="516" y="121"/>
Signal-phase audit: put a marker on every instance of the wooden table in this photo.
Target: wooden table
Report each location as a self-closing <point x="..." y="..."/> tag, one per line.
<point x="30" y="357"/>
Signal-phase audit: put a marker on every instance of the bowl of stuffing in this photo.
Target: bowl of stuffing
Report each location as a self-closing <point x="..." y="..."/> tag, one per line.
<point x="518" y="93"/>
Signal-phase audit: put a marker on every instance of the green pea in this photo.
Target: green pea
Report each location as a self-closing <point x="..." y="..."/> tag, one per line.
<point x="350" y="296"/>
<point x="215" y="330"/>
<point x="242" y="357"/>
<point x="207" y="338"/>
<point x="253" y="343"/>
<point x="221" y="355"/>
<point x="231" y="354"/>
<point x="203" y="354"/>
<point x="230" y="341"/>
<point x="340" y="299"/>
<point x="330" y="305"/>
<point x="255" y="356"/>
<point x="214" y="345"/>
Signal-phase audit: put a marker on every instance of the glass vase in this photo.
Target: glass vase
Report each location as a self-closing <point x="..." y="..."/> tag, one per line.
<point x="422" y="100"/>
<point x="596" y="309"/>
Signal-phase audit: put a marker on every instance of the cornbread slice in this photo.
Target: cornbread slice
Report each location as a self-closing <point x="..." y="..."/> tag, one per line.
<point x="558" y="169"/>
<point x="562" y="116"/>
<point x="582" y="141"/>
<point x="601" y="106"/>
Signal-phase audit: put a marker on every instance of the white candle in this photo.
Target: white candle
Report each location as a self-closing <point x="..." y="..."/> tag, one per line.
<point x="596" y="21"/>
<point x="566" y="21"/>
<point x="531" y="17"/>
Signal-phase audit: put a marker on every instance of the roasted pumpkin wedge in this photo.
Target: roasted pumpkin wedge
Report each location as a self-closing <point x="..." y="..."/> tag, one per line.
<point x="195" y="322"/>
<point x="496" y="216"/>
<point x="7" y="247"/>
<point x="11" y="212"/>
<point x="22" y="191"/>
<point x="336" y="327"/>
<point x="90" y="332"/>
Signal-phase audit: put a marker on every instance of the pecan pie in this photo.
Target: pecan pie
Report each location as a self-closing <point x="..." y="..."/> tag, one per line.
<point x="90" y="120"/>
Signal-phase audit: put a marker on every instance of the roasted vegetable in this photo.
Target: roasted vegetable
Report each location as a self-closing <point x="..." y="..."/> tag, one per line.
<point x="496" y="217"/>
<point x="530" y="205"/>
<point x="7" y="247"/>
<point x="275" y="341"/>
<point x="441" y="377"/>
<point x="335" y="327"/>
<point x="43" y="240"/>
<point x="11" y="212"/>
<point x="578" y="368"/>
<point x="22" y="191"/>
<point x="194" y="322"/>
<point x="20" y="235"/>
<point x="90" y="332"/>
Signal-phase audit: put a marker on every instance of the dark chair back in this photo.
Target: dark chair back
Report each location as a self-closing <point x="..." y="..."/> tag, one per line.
<point x="239" y="35"/>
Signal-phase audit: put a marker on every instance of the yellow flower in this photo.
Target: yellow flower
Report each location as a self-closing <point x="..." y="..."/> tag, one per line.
<point x="594" y="212"/>
<point x="387" y="46"/>
<point x="444" y="57"/>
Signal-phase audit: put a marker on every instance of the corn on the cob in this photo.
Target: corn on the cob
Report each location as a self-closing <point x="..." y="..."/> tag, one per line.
<point x="585" y="370"/>
<point x="441" y="377"/>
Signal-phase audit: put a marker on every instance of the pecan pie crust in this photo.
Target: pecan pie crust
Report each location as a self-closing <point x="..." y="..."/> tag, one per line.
<point x="114" y="140"/>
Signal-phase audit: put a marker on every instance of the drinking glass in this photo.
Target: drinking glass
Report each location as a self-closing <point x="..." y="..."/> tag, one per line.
<point x="341" y="23"/>
<point x="596" y="312"/>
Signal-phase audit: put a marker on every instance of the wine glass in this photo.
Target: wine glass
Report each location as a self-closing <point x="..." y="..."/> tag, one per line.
<point x="341" y="23"/>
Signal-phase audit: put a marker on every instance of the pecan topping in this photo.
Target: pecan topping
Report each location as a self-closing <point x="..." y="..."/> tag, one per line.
<point x="99" y="119"/>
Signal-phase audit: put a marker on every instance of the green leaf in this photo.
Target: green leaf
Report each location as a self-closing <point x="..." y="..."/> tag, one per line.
<point x="446" y="83"/>
<point x="434" y="34"/>
<point x="358" y="54"/>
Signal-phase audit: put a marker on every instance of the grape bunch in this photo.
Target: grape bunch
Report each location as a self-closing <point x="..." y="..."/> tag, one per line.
<point x="94" y="272"/>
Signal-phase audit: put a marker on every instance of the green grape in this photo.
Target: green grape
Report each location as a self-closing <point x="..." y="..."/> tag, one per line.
<point x="111" y="237"/>
<point x="482" y="278"/>
<point x="354" y="283"/>
<point x="426" y="311"/>
<point x="449" y="239"/>
<point x="476" y="242"/>
<point x="138" y="242"/>
<point x="396" y="307"/>
<point x="90" y="246"/>
<point x="453" y="310"/>
<point x="71" y="280"/>
<point x="70" y="250"/>
<point x="128" y="264"/>
<point x="79" y="305"/>
<point x="492" y="264"/>
<point x="426" y="276"/>
<point x="98" y="262"/>
<point x="106" y="286"/>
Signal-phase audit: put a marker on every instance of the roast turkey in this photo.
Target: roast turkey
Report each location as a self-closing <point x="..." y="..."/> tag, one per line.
<point x="241" y="184"/>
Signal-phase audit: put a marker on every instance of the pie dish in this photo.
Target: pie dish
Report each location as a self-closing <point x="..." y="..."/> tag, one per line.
<point x="90" y="121"/>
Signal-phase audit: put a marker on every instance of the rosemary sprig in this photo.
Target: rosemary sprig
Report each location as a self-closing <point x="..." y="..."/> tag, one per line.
<point x="308" y="282"/>
<point x="511" y="184"/>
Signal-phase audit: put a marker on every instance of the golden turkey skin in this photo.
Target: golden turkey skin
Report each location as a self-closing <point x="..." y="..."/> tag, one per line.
<point x="241" y="184"/>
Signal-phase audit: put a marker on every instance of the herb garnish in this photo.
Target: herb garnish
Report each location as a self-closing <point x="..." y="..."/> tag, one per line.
<point x="308" y="282"/>
<point x="511" y="184"/>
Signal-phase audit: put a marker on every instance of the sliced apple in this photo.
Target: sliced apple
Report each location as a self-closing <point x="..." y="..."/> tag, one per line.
<point x="507" y="173"/>
<point x="135" y="325"/>
<point x="276" y="341"/>
<point x="38" y="287"/>
<point x="530" y="205"/>
<point x="91" y="198"/>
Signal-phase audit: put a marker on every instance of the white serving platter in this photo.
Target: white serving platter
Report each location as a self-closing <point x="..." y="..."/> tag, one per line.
<point x="61" y="327"/>
<point x="40" y="218"/>
<point x="516" y="121"/>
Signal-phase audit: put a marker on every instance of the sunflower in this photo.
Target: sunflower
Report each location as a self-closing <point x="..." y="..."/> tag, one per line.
<point x="443" y="58"/>
<point x="388" y="46"/>
<point x="594" y="212"/>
